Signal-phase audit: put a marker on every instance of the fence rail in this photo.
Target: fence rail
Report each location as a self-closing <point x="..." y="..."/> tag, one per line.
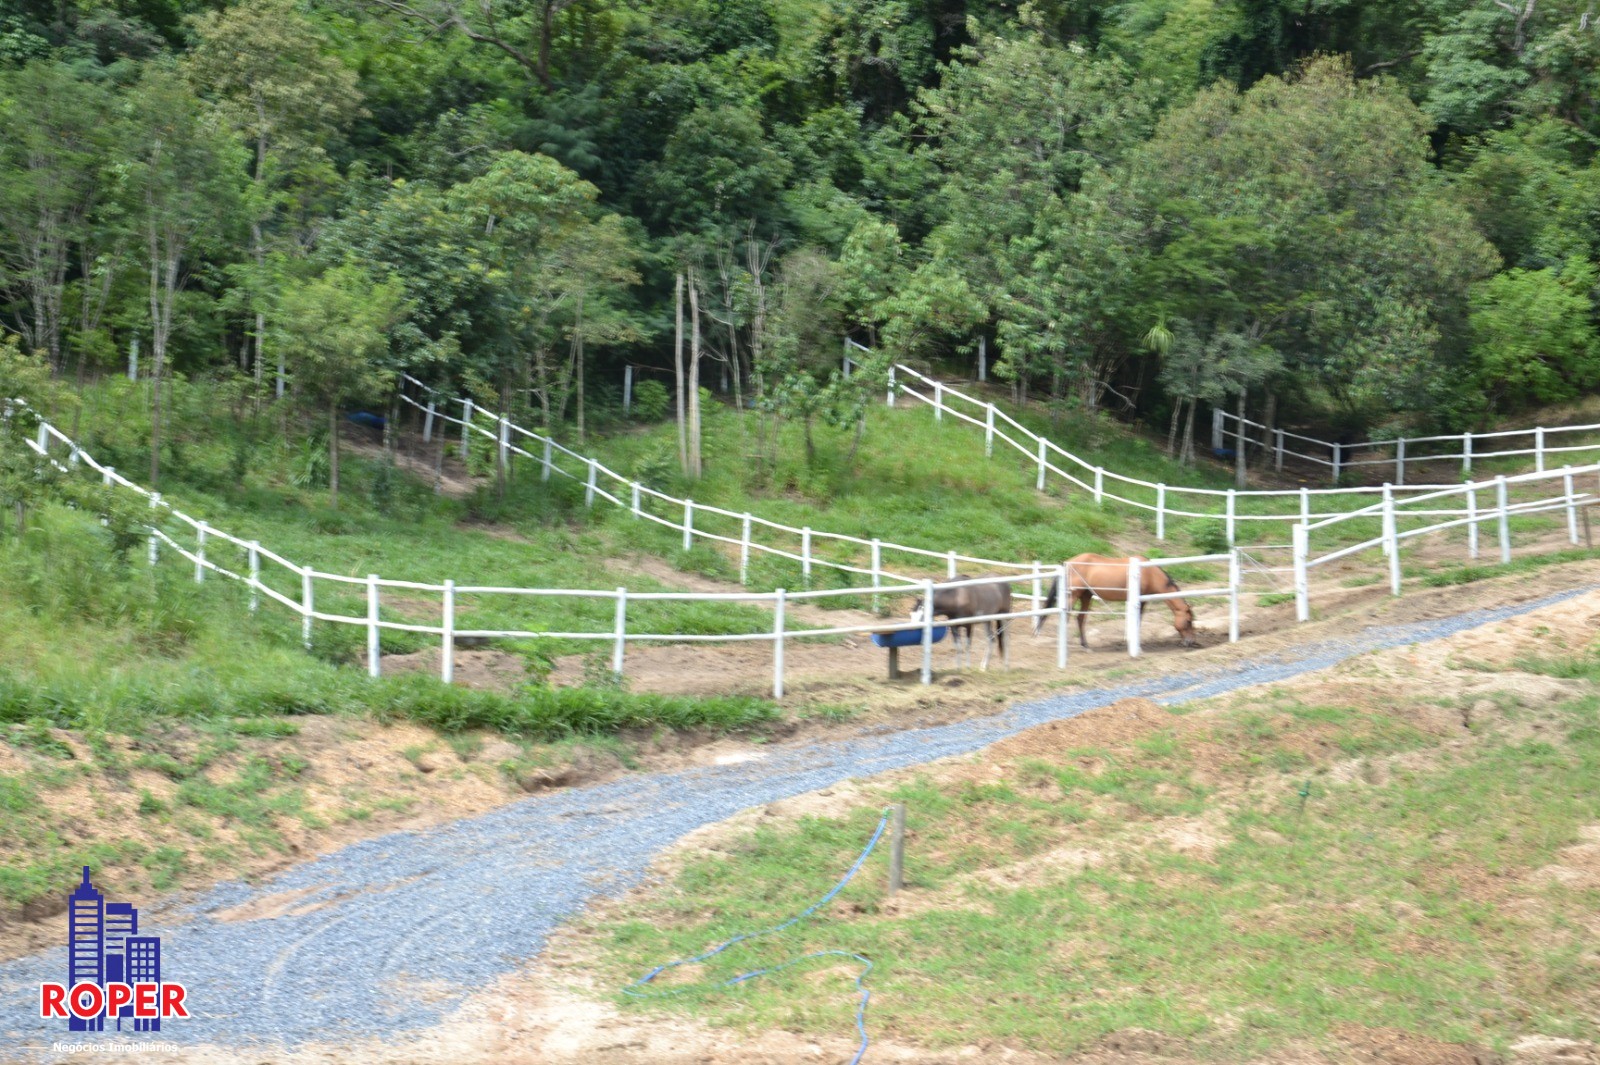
<point x="1339" y="457"/>
<point x="1230" y="506"/>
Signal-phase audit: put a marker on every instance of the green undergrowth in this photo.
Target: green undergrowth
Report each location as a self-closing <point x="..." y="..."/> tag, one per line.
<point x="1054" y="902"/>
<point x="90" y="640"/>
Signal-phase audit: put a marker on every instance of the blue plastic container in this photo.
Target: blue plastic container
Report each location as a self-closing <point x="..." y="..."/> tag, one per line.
<point x="907" y="637"/>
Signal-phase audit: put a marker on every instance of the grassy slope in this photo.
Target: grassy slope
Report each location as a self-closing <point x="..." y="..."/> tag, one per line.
<point x="102" y="646"/>
<point x="1386" y="901"/>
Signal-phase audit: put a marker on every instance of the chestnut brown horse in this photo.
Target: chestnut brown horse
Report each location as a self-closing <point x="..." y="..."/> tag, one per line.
<point x="1097" y="575"/>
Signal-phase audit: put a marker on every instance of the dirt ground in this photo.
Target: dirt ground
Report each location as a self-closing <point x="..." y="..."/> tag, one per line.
<point x="555" y="1014"/>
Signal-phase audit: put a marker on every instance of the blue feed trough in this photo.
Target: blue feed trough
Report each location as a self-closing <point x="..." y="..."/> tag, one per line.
<point x="907" y="637"/>
<point x="367" y="418"/>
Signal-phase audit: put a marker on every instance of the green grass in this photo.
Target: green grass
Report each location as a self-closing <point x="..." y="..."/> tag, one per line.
<point x="1377" y="906"/>
<point x="92" y="642"/>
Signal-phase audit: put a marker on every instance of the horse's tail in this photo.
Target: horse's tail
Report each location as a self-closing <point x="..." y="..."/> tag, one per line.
<point x="1049" y="601"/>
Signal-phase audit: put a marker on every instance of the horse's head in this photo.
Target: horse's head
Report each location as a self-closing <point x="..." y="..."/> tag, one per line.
<point x="916" y="610"/>
<point x="1182" y="617"/>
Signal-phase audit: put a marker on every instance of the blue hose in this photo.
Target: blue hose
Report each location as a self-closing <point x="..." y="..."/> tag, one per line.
<point x="861" y="1005"/>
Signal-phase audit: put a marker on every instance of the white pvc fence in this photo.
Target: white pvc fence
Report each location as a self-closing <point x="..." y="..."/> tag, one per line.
<point x="1464" y="448"/>
<point x="372" y="588"/>
<point x="1165" y="501"/>
<point x="1390" y="511"/>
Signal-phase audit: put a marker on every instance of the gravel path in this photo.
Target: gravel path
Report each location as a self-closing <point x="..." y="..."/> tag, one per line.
<point x="459" y="905"/>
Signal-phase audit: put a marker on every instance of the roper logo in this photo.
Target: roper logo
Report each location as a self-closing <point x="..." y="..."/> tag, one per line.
<point x="113" y="972"/>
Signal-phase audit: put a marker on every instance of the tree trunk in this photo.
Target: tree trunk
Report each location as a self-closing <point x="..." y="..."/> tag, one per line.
<point x="1172" y="430"/>
<point x="1271" y="418"/>
<point x="1239" y="444"/>
<point x="677" y="375"/>
<point x="579" y="383"/>
<point x="694" y="376"/>
<point x="333" y="453"/>
<point x="811" y="444"/>
<point x="1187" y="456"/>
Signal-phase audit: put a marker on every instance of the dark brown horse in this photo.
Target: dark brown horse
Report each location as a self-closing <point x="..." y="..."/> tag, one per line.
<point x="972" y="601"/>
<point x="1089" y="576"/>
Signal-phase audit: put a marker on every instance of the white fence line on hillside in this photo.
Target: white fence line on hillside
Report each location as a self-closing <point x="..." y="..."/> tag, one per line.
<point x="1468" y="449"/>
<point x="630" y="494"/>
<point x="371" y="588"/>
<point x="1038" y="450"/>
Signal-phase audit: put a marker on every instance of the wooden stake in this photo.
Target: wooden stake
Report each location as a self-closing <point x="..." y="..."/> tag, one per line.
<point x="897" y="848"/>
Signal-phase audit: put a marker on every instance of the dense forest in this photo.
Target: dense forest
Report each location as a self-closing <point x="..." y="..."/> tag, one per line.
<point x="1361" y="214"/>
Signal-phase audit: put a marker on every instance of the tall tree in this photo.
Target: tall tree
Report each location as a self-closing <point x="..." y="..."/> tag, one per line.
<point x="335" y="328"/>
<point x="184" y="185"/>
<point x="269" y="67"/>
<point x="57" y="143"/>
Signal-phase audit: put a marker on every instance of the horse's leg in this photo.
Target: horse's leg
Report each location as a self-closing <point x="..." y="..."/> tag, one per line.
<point x="1081" y="600"/>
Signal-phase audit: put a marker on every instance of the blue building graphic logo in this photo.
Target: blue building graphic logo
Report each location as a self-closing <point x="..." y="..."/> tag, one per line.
<point x="114" y="974"/>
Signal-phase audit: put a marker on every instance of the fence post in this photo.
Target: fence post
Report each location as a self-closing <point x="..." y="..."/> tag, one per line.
<point x="1234" y="578"/>
<point x="1472" y="519"/>
<point x="427" y="424"/>
<point x="688" y="524"/>
<point x="155" y="551"/>
<point x="1572" y="506"/>
<point x="1099" y="486"/>
<point x="1039" y="484"/>
<point x="927" y="632"/>
<point x="1300" y="534"/>
<point x="106" y="477"/>
<point x="877" y="568"/>
<point x="627" y="390"/>
<point x="1132" y="618"/>
<point x="1538" y="449"/>
<point x="544" y="472"/>
<point x="950" y="565"/>
<point x="466" y="426"/>
<point x="505" y="453"/>
<point x="1505" y="519"/>
<point x="1231" y="507"/>
<point x="1161" y="512"/>
<point x="988" y="431"/>
<point x="307" y="605"/>
<point x="1063" y="616"/>
<point x="1038" y="586"/>
<point x="983" y="357"/>
<point x="634" y="502"/>
<point x="447" y="640"/>
<point x="891" y="386"/>
<point x="44" y="438"/>
<point x="200" y="553"/>
<point x="374" y="654"/>
<point x="1391" y="539"/>
<point x="1277" y="460"/>
<point x="777" y="644"/>
<point x="1216" y="429"/>
<point x="805" y="554"/>
<point x="588" y="488"/>
<point x="621" y="644"/>
<point x="1388" y="517"/>
<point x="1400" y="461"/>
<point x="938" y="401"/>
<point x="1305" y="506"/>
<point x="1466" y="453"/>
<point x="1338" y="459"/>
<point x="255" y="575"/>
<point x="744" y="551"/>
